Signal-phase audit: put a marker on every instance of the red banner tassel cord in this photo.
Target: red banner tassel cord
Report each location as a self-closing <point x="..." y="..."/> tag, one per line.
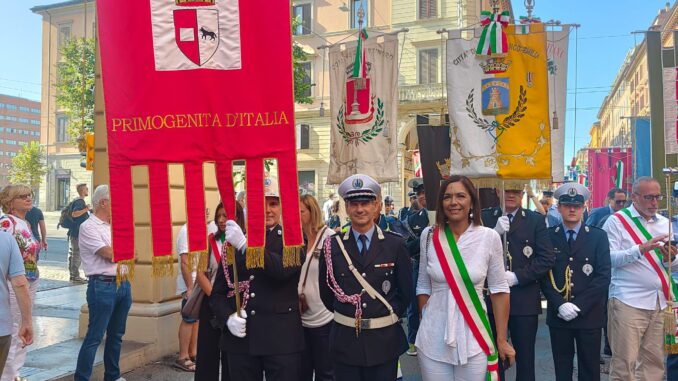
<point x="162" y="261"/>
<point x="224" y="174"/>
<point x="289" y="198"/>
<point x="256" y="213"/>
<point x="122" y="222"/>
<point x="195" y="215"/>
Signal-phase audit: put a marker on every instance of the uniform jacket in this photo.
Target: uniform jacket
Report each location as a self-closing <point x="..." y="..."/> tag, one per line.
<point x="386" y="266"/>
<point x="598" y="216"/>
<point x="590" y="253"/>
<point x="416" y="223"/>
<point x="273" y="318"/>
<point x="532" y="253"/>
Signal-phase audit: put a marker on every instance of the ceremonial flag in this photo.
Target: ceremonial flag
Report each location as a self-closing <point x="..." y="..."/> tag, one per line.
<point x="671" y="110"/>
<point x="434" y="145"/>
<point x="416" y="160"/>
<point x="642" y="154"/>
<point x="363" y="101"/>
<point x="556" y="65"/>
<point x="190" y="82"/>
<point x="603" y="172"/>
<point x="499" y="108"/>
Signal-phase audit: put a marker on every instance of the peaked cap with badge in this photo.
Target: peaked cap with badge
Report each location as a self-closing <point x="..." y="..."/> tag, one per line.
<point x="417" y="184"/>
<point x="572" y="194"/>
<point x="359" y="188"/>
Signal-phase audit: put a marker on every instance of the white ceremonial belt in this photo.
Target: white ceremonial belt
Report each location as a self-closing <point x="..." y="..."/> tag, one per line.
<point x="375" y="323"/>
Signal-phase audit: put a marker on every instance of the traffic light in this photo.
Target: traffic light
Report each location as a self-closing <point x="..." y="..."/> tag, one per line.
<point x="89" y="151"/>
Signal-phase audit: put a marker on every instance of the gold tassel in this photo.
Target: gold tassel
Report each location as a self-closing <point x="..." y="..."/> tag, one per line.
<point x="292" y="256"/>
<point x="230" y="255"/>
<point x="162" y="266"/>
<point x="125" y="274"/>
<point x="670" y="345"/>
<point x="254" y="258"/>
<point x="201" y="257"/>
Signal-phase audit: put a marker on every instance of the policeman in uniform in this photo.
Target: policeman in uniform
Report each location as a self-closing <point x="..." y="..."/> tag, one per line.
<point x="576" y="287"/>
<point x="405" y="211"/>
<point x="416" y="223"/>
<point x="267" y="336"/>
<point x="365" y="278"/>
<point x="529" y="258"/>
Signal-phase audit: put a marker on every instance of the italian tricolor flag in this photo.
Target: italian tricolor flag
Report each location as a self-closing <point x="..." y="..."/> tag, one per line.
<point x="359" y="65"/>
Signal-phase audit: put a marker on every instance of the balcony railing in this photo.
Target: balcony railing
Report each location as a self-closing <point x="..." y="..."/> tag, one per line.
<point x="421" y="93"/>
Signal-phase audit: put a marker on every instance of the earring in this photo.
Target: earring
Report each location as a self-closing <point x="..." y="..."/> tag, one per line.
<point x="470" y="216"/>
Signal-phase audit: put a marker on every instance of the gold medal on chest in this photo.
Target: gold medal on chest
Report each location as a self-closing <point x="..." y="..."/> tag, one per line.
<point x="527" y="250"/>
<point x="587" y="269"/>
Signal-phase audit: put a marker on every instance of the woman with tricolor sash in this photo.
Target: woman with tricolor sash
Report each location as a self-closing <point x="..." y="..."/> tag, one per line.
<point x="458" y="256"/>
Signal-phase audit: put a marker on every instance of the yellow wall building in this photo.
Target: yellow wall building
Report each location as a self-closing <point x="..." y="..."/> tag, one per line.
<point x="60" y="22"/>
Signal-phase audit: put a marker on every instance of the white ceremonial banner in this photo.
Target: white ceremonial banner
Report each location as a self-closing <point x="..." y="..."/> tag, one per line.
<point x="670" y="110"/>
<point x="363" y="123"/>
<point x="556" y="53"/>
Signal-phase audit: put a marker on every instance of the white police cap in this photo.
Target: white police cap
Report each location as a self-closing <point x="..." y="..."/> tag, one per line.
<point x="271" y="187"/>
<point x="359" y="188"/>
<point x="572" y="194"/>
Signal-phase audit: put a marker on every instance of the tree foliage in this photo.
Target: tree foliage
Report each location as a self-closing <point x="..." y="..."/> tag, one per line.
<point x="75" y="86"/>
<point x="27" y="166"/>
<point x="300" y="76"/>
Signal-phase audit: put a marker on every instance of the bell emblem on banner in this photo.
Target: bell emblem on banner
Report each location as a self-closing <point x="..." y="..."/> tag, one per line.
<point x="359" y="99"/>
<point x="194" y="34"/>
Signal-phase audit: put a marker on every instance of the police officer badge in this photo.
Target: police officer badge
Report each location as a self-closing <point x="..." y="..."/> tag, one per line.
<point x="587" y="269"/>
<point x="572" y="192"/>
<point x="357" y="184"/>
<point x="527" y="251"/>
<point x="386" y="286"/>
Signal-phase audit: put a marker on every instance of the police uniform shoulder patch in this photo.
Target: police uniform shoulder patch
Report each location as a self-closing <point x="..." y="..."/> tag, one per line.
<point x="393" y="233"/>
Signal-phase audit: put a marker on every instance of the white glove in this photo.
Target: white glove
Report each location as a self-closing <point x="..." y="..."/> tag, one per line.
<point x="511" y="278"/>
<point x="237" y="325"/>
<point x="235" y="236"/>
<point x="503" y="225"/>
<point x="568" y="311"/>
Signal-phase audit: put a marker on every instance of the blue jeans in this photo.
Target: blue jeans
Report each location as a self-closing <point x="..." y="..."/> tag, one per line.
<point x="413" y="310"/>
<point x="108" y="308"/>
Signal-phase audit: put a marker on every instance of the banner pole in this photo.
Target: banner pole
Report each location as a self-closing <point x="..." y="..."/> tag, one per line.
<point x="507" y="260"/>
<point x="236" y="285"/>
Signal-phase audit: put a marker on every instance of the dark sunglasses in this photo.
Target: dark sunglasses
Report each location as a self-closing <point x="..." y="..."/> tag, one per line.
<point x="620" y="202"/>
<point x="25" y="196"/>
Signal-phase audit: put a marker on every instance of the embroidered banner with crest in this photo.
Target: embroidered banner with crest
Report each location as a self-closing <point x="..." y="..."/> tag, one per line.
<point x="364" y="108"/>
<point x="670" y="79"/>
<point x="499" y="108"/>
<point x="189" y="82"/>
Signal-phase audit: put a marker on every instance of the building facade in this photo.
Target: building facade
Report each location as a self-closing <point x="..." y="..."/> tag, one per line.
<point x="420" y="78"/>
<point x="19" y="125"/>
<point x="60" y="22"/>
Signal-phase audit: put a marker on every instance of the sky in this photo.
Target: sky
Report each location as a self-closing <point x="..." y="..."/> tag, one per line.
<point x="604" y="39"/>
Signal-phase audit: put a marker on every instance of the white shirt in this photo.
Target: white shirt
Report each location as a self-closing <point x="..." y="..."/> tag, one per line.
<point x="443" y="333"/>
<point x="316" y="315"/>
<point x="182" y="248"/>
<point x="634" y="282"/>
<point x="95" y="234"/>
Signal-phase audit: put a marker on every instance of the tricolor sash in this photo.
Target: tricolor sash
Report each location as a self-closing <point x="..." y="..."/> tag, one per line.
<point x="466" y="297"/>
<point x="640" y="235"/>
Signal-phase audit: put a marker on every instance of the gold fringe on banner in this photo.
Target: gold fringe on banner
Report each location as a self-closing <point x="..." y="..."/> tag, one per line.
<point x="254" y="258"/>
<point x="509" y="184"/>
<point x="162" y="266"/>
<point x="230" y="255"/>
<point x="200" y="258"/>
<point x="292" y="256"/>
<point x="124" y="271"/>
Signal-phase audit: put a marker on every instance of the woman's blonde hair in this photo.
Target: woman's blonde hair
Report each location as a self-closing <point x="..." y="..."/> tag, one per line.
<point x="316" y="216"/>
<point x="10" y="192"/>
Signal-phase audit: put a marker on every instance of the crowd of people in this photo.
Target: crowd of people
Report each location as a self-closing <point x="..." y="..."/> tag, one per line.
<point x="470" y="284"/>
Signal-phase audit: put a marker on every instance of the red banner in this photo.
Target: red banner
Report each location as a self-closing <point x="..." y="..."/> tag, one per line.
<point x="602" y="175"/>
<point x="191" y="82"/>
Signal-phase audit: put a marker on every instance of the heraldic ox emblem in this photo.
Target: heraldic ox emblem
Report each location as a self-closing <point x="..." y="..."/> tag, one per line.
<point x="196" y="34"/>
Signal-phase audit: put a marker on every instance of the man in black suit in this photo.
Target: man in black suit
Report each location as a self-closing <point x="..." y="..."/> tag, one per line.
<point x="529" y="258"/>
<point x="576" y="287"/>
<point x="267" y="336"/>
<point x="616" y="200"/>
<point x="370" y="286"/>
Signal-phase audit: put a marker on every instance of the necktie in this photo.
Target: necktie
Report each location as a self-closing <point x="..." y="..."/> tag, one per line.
<point x="510" y="217"/>
<point x="363" y="240"/>
<point x="570" y="238"/>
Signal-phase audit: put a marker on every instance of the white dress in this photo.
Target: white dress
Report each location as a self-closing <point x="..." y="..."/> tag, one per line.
<point x="443" y="333"/>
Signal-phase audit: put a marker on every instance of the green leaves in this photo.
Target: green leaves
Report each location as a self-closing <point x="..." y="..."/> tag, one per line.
<point x="75" y="86"/>
<point x="27" y="166"/>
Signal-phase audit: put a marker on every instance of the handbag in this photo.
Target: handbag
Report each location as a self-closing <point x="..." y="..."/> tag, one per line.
<point x="303" y="305"/>
<point x="191" y="309"/>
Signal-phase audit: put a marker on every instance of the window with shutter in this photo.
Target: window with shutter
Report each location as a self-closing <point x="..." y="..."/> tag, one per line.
<point x="428" y="9"/>
<point x="428" y="66"/>
<point x="303" y="13"/>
